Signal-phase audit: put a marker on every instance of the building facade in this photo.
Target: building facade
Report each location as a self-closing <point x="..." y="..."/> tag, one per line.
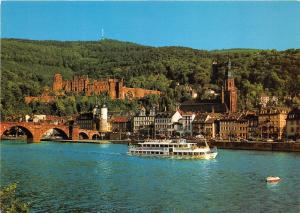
<point x="253" y="126"/>
<point x="186" y="122"/>
<point x="205" y="124"/>
<point x="143" y="122"/>
<point x="167" y="123"/>
<point x="233" y="127"/>
<point x="272" y="122"/>
<point x="293" y="124"/>
<point x="88" y="121"/>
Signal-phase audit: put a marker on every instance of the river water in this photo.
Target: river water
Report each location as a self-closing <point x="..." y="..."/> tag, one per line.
<point x="67" y="177"/>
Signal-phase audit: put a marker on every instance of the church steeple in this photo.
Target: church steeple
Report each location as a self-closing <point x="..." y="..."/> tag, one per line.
<point x="228" y="71"/>
<point x="229" y="93"/>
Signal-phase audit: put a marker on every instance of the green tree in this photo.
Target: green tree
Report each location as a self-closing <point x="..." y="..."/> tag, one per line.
<point x="8" y="201"/>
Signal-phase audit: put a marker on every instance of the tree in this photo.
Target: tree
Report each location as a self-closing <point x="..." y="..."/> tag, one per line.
<point x="9" y="202"/>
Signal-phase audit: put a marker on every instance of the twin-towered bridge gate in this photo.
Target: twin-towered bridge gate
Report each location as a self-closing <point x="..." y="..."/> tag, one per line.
<point x="35" y="131"/>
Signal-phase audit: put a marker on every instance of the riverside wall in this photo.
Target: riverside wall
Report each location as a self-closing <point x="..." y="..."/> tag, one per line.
<point x="262" y="146"/>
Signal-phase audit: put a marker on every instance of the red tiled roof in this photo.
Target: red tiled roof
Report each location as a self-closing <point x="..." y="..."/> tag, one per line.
<point x="120" y="119"/>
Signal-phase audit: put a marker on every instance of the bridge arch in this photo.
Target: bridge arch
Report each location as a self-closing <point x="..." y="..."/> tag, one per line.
<point x="64" y="133"/>
<point x="83" y="135"/>
<point x="26" y="130"/>
<point x="96" y="136"/>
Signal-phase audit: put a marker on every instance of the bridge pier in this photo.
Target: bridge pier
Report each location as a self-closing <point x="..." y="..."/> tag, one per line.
<point x="75" y="134"/>
<point x="35" y="139"/>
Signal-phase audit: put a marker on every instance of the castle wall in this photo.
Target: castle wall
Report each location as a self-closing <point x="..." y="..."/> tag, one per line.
<point x="137" y="92"/>
<point x="44" y="99"/>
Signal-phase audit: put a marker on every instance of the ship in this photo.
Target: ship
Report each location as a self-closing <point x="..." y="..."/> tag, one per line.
<point x="175" y="148"/>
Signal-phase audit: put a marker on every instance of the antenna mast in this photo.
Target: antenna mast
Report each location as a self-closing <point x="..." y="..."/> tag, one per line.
<point x="102" y="34"/>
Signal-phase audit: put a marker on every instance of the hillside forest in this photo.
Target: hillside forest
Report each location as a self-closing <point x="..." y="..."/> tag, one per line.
<point x="28" y="66"/>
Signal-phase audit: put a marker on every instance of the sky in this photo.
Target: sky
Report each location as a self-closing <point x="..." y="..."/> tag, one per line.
<point x="199" y="25"/>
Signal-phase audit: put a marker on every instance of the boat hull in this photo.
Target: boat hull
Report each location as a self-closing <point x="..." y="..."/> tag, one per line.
<point x="273" y="179"/>
<point x="207" y="156"/>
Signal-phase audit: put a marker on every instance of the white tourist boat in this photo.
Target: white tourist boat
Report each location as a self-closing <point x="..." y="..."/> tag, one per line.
<point x="177" y="148"/>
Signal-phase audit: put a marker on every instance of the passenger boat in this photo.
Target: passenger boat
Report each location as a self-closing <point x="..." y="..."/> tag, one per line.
<point x="273" y="179"/>
<point x="177" y="148"/>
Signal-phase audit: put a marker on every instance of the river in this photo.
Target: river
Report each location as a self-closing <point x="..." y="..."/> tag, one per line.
<point x="65" y="177"/>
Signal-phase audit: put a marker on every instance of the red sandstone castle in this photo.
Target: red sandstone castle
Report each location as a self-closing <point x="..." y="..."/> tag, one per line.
<point x="83" y="85"/>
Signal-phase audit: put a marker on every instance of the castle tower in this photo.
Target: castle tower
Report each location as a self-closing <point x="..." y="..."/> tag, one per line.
<point x="229" y="94"/>
<point x="120" y="89"/>
<point x="112" y="89"/>
<point x="57" y="82"/>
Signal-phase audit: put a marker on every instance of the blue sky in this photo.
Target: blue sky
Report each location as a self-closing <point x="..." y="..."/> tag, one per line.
<point x="200" y="25"/>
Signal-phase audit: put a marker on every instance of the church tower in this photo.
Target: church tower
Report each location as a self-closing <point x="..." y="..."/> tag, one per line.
<point x="229" y="94"/>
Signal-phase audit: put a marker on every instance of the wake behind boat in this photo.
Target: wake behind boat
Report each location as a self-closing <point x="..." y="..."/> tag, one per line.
<point x="178" y="148"/>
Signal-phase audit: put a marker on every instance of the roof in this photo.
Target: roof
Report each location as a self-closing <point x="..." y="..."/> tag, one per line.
<point x="120" y="119"/>
<point x="84" y="116"/>
<point x="273" y="110"/>
<point x="206" y="117"/>
<point x="165" y="114"/>
<point x="184" y="113"/>
<point x="238" y="116"/>
<point x="193" y="106"/>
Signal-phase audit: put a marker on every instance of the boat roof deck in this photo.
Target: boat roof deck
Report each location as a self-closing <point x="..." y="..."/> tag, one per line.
<point x="166" y="143"/>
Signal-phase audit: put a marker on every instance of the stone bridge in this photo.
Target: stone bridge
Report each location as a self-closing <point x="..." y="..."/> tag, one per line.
<point x="35" y="131"/>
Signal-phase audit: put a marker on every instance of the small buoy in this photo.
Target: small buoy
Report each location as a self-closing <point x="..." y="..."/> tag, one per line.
<point x="273" y="179"/>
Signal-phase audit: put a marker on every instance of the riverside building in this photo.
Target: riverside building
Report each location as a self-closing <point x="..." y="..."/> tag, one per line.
<point x="233" y="126"/>
<point x="293" y="124"/>
<point x="167" y="123"/>
<point x="272" y="122"/>
<point x="143" y="121"/>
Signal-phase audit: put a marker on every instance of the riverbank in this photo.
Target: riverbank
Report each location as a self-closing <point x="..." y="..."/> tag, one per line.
<point x="259" y="146"/>
<point x="95" y="141"/>
<point x="84" y="141"/>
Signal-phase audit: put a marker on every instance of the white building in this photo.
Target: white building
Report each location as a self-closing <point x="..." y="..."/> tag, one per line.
<point x="167" y="123"/>
<point x="38" y="118"/>
<point x="186" y="122"/>
<point x="264" y="100"/>
<point x="143" y="121"/>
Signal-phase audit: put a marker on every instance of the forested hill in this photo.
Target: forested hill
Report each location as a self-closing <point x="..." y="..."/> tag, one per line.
<point x="28" y="66"/>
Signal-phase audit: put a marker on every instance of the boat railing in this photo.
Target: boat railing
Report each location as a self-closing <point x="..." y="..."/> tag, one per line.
<point x="134" y="148"/>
